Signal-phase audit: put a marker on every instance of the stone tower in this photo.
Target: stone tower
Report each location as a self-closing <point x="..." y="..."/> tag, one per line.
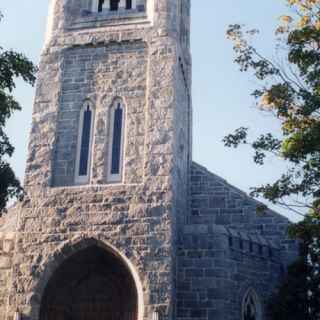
<point x="108" y="164"/>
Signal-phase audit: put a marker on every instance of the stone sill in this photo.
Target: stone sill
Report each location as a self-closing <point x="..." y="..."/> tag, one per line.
<point x="100" y="19"/>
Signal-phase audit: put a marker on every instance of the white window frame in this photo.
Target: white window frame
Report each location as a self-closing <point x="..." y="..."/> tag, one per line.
<point x="113" y="178"/>
<point x="251" y="293"/>
<point x="84" y="179"/>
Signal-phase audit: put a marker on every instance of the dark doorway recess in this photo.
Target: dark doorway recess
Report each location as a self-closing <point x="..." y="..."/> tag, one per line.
<point x="93" y="284"/>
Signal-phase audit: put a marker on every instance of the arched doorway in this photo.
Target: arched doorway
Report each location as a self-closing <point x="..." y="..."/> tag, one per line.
<point x="93" y="284"/>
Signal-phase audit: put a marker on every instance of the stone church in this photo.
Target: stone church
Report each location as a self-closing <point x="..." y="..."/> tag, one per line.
<point x="118" y="223"/>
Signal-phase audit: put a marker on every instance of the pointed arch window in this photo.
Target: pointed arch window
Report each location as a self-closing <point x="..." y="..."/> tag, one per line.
<point x="83" y="161"/>
<point x="251" y="306"/>
<point x="116" y="138"/>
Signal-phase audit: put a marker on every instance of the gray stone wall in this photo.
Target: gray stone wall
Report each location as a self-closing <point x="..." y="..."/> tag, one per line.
<point x="226" y="248"/>
<point x="214" y="201"/>
<point x="182" y="145"/>
<point x="215" y="273"/>
<point x="134" y="220"/>
<point x="101" y="74"/>
<point x="44" y="119"/>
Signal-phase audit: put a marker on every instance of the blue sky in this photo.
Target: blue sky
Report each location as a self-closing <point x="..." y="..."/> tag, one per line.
<point x="221" y="94"/>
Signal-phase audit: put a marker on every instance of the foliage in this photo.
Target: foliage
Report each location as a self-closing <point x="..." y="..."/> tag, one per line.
<point x="12" y="65"/>
<point x="291" y="300"/>
<point x="298" y="297"/>
<point x="290" y="91"/>
<point x="313" y="277"/>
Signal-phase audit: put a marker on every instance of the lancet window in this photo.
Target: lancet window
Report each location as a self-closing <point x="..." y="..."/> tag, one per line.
<point x="116" y="141"/>
<point x="83" y="161"/>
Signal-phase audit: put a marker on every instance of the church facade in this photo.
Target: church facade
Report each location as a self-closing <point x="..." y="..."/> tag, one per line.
<point x="118" y="223"/>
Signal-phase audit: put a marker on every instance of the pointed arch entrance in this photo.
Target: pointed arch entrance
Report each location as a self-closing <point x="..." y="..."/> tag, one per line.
<point x="92" y="284"/>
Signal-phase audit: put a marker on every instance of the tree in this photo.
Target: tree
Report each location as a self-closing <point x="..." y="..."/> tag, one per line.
<point x="12" y="65"/>
<point x="290" y="91"/>
<point x="293" y="300"/>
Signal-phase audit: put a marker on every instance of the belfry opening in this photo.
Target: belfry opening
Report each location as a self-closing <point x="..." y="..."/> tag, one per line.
<point x="93" y="284"/>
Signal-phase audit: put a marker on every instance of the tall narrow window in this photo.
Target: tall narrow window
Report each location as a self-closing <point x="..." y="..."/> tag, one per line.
<point x="114" y="5"/>
<point x="84" y="144"/>
<point x="116" y="142"/>
<point x="251" y="307"/>
<point x="128" y="4"/>
<point x="100" y="5"/>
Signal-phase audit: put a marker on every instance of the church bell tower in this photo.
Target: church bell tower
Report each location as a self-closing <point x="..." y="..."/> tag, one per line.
<point x="108" y="167"/>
